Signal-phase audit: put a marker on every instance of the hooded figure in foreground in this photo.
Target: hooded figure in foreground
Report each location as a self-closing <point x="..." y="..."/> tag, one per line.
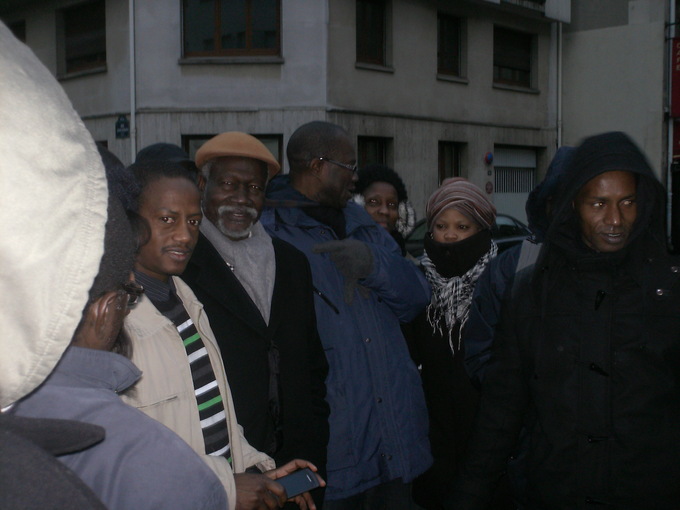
<point x="67" y="441"/>
<point x="587" y="356"/>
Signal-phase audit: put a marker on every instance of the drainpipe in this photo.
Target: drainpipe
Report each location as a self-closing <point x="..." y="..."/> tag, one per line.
<point x="133" y="91"/>
<point x="669" y="156"/>
<point x="559" y="84"/>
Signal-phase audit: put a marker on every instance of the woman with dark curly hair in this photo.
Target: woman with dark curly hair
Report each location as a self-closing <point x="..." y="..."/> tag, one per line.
<point x="382" y="193"/>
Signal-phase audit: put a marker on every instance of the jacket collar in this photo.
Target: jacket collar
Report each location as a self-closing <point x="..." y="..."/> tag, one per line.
<point x="145" y="319"/>
<point x="88" y="368"/>
<point x="286" y="205"/>
<point x="215" y="277"/>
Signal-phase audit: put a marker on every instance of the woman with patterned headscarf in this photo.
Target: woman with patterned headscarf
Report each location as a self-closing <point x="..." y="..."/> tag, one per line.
<point x="458" y="247"/>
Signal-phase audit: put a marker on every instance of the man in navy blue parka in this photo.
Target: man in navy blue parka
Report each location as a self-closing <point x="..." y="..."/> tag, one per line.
<point x="363" y="289"/>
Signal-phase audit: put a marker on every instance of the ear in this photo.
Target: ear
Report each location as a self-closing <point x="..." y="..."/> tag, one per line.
<point x="316" y="167"/>
<point x="201" y="182"/>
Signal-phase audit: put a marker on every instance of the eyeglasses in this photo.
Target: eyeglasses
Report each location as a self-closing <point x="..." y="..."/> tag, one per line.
<point x="134" y="290"/>
<point x="351" y="168"/>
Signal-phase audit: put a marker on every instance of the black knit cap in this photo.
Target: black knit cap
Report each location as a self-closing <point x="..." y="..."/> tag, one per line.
<point x="122" y="183"/>
<point x="119" y="251"/>
<point x="161" y="151"/>
<point x="167" y="152"/>
<point x="380" y="173"/>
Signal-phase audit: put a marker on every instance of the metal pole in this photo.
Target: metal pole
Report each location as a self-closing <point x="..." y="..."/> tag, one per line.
<point x="133" y="91"/>
<point x="559" y="84"/>
<point x="669" y="159"/>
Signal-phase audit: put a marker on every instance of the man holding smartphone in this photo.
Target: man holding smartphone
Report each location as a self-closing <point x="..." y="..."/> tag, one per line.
<point x="184" y="385"/>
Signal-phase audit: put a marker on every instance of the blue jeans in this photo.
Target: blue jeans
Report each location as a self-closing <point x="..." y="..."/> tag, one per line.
<point x="392" y="495"/>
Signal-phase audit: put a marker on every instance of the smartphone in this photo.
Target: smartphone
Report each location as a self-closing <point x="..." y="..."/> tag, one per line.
<point x="298" y="482"/>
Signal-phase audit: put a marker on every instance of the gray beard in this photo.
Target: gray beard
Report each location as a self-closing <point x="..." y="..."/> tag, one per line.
<point x="235" y="234"/>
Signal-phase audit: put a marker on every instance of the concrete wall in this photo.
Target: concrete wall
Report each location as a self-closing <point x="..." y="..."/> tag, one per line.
<point x="417" y="110"/>
<point x="316" y="78"/>
<point x="413" y="88"/>
<point x="164" y="81"/>
<point x="623" y="88"/>
<point x="415" y="145"/>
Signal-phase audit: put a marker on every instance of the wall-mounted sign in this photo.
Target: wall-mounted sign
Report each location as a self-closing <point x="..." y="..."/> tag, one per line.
<point x="122" y="127"/>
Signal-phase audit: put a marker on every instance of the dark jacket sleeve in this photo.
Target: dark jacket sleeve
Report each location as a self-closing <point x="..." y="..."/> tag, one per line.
<point x="485" y="312"/>
<point x="503" y="405"/>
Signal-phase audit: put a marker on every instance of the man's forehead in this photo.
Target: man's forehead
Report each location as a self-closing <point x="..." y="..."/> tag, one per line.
<point x="609" y="179"/>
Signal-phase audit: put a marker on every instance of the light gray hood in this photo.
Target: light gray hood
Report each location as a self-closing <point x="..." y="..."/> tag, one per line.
<point x="53" y="198"/>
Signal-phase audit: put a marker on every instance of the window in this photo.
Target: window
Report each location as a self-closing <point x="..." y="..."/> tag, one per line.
<point x="449" y="160"/>
<point x="191" y="143"/>
<point x="371" y="32"/>
<point x="449" y="40"/>
<point x="514" y="178"/>
<point x="515" y="169"/>
<point x="373" y="149"/>
<point x="18" y="28"/>
<point x="512" y="56"/>
<point x="232" y="27"/>
<point x="83" y="37"/>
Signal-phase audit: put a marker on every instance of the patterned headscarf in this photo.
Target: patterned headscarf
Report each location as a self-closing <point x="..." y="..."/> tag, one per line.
<point x="451" y="297"/>
<point x="460" y="194"/>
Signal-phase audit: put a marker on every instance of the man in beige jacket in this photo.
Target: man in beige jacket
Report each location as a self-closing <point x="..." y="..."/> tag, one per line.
<point x="184" y="385"/>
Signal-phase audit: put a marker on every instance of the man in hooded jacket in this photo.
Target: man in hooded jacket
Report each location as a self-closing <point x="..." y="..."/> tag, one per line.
<point x="587" y="355"/>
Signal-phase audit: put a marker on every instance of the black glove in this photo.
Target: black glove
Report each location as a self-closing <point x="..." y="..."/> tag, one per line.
<point x="353" y="259"/>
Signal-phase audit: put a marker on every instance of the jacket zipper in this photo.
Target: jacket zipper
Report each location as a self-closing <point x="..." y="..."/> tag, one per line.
<point x="328" y="301"/>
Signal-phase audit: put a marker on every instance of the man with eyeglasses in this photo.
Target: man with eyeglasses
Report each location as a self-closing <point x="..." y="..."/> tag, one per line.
<point x="363" y="288"/>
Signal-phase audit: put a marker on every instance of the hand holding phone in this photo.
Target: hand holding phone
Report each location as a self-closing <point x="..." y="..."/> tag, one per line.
<point x="300" y="481"/>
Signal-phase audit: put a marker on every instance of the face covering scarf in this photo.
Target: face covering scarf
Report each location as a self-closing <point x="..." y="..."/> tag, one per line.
<point x="452" y="269"/>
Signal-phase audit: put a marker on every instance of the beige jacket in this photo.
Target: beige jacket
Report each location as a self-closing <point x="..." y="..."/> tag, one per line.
<point x="52" y="214"/>
<point x="166" y="393"/>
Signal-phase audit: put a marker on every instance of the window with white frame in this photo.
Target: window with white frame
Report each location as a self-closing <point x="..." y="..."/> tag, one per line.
<point x="514" y="178"/>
